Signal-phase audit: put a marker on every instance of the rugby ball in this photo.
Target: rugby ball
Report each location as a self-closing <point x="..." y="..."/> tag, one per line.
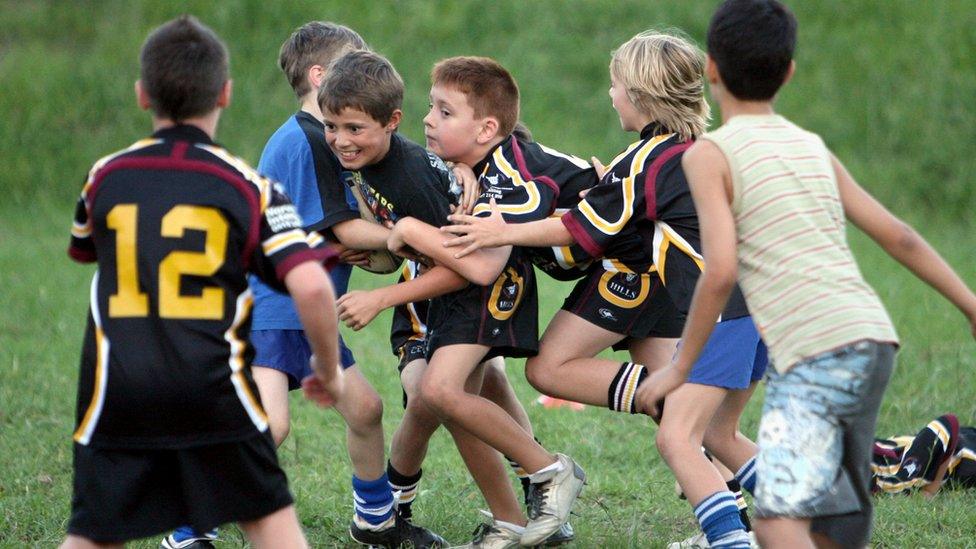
<point x="380" y="261"/>
<point x="383" y="262"/>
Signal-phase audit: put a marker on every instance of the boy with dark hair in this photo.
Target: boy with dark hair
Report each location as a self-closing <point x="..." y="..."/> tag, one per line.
<point x="298" y="156"/>
<point x="772" y="200"/>
<point x="170" y="428"/>
<point x="474" y="109"/>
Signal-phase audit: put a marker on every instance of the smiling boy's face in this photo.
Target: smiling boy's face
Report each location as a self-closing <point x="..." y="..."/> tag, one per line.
<point x="357" y="138"/>
<point x="451" y="128"/>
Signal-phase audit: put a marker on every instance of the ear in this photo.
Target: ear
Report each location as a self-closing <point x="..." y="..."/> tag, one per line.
<point x="711" y="70"/>
<point x="223" y="100"/>
<point x="142" y="98"/>
<point x="790" y="71"/>
<point x="394" y="122"/>
<point x="488" y="131"/>
<point x="315" y="76"/>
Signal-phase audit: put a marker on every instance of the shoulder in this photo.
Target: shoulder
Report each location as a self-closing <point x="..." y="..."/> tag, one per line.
<point x="238" y="172"/>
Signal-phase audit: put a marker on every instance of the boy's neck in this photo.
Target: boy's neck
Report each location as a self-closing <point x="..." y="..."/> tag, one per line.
<point x="481" y="153"/>
<point x="732" y="106"/>
<point x="310" y="104"/>
<point x="207" y="123"/>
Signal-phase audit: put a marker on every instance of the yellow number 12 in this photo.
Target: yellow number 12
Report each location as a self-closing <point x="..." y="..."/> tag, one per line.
<point x="130" y="301"/>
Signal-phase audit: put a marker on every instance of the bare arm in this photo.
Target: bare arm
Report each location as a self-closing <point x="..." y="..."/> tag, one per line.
<point x="314" y="298"/>
<point x="710" y="183"/>
<point x="902" y="243"/>
<point x="358" y="308"/>
<point x="481" y="268"/>
<point x="360" y="234"/>
<point x="492" y="232"/>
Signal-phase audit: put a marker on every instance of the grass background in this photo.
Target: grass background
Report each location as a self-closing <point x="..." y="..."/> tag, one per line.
<point x="889" y="84"/>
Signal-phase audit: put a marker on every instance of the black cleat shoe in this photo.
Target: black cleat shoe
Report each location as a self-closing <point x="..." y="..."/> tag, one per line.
<point x="403" y="534"/>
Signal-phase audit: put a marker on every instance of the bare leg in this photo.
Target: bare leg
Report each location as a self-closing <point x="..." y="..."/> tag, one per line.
<point x="653" y="352"/>
<point x="784" y="533"/>
<point x="565" y="367"/>
<point x="77" y="542"/>
<point x="687" y="414"/>
<point x="273" y="388"/>
<point x="443" y="389"/>
<point x="723" y="438"/>
<point x="362" y="410"/>
<point x="498" y="389"/>
<point x="279" y="529"/>
<point x="409" y="445"/>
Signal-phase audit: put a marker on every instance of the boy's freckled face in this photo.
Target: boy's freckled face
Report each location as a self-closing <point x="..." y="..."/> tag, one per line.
<point x="450" y="126"/>
<point x="629" y="116"/>
<point x="356" y="138"/>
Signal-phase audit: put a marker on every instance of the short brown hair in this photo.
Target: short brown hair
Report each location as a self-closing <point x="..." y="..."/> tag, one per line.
<point x="490" y="89"/>
<point x="183" y="68"/>
<point x="364" y="81"/>
<point x="315" y="43"/>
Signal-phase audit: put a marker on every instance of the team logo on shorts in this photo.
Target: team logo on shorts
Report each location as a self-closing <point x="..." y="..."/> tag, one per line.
<point x="625" y="290"/>
<point x="506" y="294"/>
<point x="606" y="314"/>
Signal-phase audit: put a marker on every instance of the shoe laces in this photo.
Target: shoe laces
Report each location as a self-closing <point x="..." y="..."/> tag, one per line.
<point x="538" y="497"/>
<point x="482" y="532"/>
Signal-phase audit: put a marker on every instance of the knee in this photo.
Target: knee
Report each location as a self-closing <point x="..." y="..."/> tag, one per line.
<point x="670" y="442"/>
<point x="367" y="414"/>
<point x="438" y="398"/>
<point x="540" y="374"/>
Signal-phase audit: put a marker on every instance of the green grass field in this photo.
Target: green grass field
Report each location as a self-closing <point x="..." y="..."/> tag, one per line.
<point x="888" y="84"/>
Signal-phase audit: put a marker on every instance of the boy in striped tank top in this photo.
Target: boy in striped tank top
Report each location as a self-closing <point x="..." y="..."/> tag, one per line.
<point x="772" y="199"/>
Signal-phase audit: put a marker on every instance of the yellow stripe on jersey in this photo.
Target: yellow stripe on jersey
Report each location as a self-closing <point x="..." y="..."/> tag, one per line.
<point x="85" y="429"/>
<point x="81" y="231"/>
<point x="531" y="203"/>
<point x="262" y="183"/>
<point x="664" y="238"/>
<point x="636" y="167"/>
<point x="281" y="241"/>
<point x="417" y="326"/>
<point x="236" y="362"/>
<point x="940" y="432"/>
<point x="314" y="239"/>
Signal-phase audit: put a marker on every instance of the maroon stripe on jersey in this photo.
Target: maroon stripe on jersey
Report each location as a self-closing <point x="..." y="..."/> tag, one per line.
<point x="580" y="235"/>
<point x="650" y="179"/>
<point x="82" y="256"/>
<point x="323" y="255"/>
<point x="194" y="166"/>
<point x="527" y="175"/>
<point x="179" y="149"/>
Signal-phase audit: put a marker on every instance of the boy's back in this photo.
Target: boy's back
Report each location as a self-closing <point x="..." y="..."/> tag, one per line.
<point x="797" y="272"/>
<point x="175" y="222"/>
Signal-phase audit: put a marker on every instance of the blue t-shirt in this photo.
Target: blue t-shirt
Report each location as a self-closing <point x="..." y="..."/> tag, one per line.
<point x="298" y="157"/>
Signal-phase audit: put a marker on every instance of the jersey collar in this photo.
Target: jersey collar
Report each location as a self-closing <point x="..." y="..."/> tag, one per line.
<point x="653" y="129"/>
<point x="480" y="166"/>
<point x="184" y="132"/>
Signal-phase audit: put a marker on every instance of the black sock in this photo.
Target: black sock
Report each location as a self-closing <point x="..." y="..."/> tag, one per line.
<point x="404" y="488"/>
<point x="740" y="502"/>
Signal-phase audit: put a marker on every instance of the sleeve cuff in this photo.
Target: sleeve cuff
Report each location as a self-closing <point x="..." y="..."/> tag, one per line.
<point x="580" y="235"/>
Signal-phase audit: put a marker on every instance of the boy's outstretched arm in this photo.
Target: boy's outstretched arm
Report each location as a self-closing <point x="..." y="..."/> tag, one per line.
<point x="481" y="268"/>
<point x="358" y="308"/>
<point x="311" y="291"/>
<point x="491" y="232"/>
<point x="902" y="243"/>
<point x="711" y="188"/>
<point x="360" y="234"/>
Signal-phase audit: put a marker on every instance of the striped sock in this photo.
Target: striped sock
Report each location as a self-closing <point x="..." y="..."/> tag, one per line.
<point x="404" y="489"/>
<point x="718" y="516"/>
<point x="740" y="502"/>
<point x="746" y="475"/>
<point x="620" y="396"/>
<point x="373" y="501"/>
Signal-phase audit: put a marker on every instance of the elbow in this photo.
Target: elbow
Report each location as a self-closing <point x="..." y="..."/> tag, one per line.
<point x="720" y="279"/>
<point x="483" y="277"/>
<point x="906" y="239"/>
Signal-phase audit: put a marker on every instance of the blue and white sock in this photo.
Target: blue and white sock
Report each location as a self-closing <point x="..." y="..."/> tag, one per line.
<point x="373" y="500"/>
<point x="719" y="518"/>
<point x="746" y="475"/>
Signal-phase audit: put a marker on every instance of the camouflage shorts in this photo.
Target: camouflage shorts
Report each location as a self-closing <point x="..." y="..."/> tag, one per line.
<point x="815" y="439"/>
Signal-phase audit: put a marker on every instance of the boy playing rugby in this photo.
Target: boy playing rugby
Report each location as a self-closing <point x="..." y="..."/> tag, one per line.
<point x="772" y="201"/>
<point x="298" y="156"/>
<point x="170" y="427"/>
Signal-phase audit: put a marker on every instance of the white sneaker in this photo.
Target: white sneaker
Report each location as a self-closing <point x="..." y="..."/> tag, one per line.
<point x="551" y="498"/>
<point x="698" y="541"/>
<point x="492" y="535"/>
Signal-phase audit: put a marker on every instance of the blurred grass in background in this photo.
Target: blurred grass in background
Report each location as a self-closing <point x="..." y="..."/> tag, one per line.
<point x="888" y="84"/>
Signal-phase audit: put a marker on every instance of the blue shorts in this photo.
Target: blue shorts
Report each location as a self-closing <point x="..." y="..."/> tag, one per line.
<point x="733" y="357"/>
<point x="287" y="351"/>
